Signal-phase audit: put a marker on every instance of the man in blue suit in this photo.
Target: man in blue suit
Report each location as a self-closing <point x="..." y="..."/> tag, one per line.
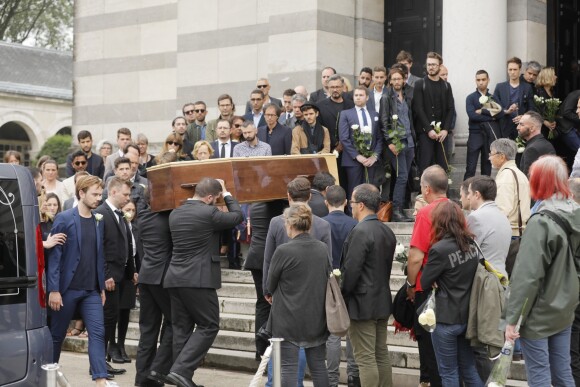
<point x="515" y="98"/>
<point x="76" y="275"/>
<point x="360" y="118"/>
<point x="256" y="115"/>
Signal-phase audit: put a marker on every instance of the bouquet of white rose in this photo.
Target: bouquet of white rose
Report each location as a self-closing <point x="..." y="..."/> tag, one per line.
<point x="427" y="313"/>
<point x="363" y="138"/>
<point x="401" y="256"/>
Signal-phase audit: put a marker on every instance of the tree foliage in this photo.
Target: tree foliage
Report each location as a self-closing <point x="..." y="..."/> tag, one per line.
<point x="58" y="147"/>
<point x="42" y="23"/>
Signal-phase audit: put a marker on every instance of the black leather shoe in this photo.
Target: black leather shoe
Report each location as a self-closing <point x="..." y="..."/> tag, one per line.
<point x="114" y="354"/>
<point x="109" y="376"/>
<point x="353" y="381"/>
<point x="149" y="383"/>
<point x="158" y="377"/>
<point x="181" y="381"/>
<point x="124" y="355"/>
<point x="115" y="371"/>
<point x="399" y="216"/>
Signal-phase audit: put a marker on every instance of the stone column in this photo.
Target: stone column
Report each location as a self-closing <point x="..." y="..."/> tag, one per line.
<point x="474" y="38"/>
<point x="527" y="30"/>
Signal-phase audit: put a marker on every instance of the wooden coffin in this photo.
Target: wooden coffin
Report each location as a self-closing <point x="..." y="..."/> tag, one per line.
<point x="249" y="179"/>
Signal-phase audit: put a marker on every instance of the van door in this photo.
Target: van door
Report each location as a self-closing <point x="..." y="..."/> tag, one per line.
<point x="13" y="285"/>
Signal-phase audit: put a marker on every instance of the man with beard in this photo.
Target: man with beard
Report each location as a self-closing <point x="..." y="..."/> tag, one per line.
<point x="529" y="128"/>
<point x="194" y="273"/>
<point x="433" y="103"/>
<point x="310" y="137"/>
<point x="297" y="101"/>
<point x="95" y="165"/>
<point x="252" y="146"/>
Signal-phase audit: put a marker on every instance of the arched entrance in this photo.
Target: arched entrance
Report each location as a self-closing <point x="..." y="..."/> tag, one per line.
<point x="14" y="137"/>
<point x="66" y="131"/>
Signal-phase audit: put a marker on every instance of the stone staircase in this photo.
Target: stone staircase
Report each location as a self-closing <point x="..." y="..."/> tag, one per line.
<point x="234" y="347"/>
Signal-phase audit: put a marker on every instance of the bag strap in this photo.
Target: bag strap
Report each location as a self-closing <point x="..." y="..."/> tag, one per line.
<point x="519" y="206"/>
<point x="558" y="219"/>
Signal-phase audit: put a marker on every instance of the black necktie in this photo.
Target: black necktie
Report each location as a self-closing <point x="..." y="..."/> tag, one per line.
<point x="126" y="232"/>
<point x="223" y="151"/>
<point x="364" y="117"/>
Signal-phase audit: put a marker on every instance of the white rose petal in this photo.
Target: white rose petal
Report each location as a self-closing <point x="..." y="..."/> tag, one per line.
<point x="395" y="117"/>
<point x="335" y="152"/>
<point x="438" y="124"/>
<point x="399" y="249"/>
<point x="449" y="181"/>
<point x="366" y="129"/>
<point x="432" y="123"/>
<point x="336" y="273"/>
<point x="427" y="317"/>
<point x="354" y="127"/>
<point x="388" y="175"/>
<point x="483" y="99"/>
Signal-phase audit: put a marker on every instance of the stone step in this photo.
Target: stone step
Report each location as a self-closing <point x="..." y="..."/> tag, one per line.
<point x="405" y="361"/>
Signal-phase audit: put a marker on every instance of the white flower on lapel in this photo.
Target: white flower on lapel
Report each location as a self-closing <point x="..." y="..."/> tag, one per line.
<point x="98" y="217"/>
<point x="376" y="118"/>
<point x="354" y="127"/>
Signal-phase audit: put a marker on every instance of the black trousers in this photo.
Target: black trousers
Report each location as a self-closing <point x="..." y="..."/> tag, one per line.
<point x="262" y="310"/>
<point x="477" y="144"/>
<point x="575" y="347"/>
<point x="111" y="314"/>
<point x="192" y="308"/>
<point x="154" y="318"/>
<point x="426" y="352"/>
<point x="431" y="152"/>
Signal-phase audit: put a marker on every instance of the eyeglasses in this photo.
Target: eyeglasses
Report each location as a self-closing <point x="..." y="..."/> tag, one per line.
<point x="172" y="143"/>
<point x="77" y="163"/>
<point x="189" y="112"/>
<point x="199" y="110"/>
<point x="261" y="86"/>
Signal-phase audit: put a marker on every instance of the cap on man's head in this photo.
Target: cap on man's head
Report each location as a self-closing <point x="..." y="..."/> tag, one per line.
<point x="309" y="105"/>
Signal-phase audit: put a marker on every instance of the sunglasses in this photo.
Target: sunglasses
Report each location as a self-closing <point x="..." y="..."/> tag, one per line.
<point x="199" y="110"/>
<point x="77" y="163"/>
<point x="188" y="112"/>
<point x="173" y="143"/>
<point x="262" y="86"/>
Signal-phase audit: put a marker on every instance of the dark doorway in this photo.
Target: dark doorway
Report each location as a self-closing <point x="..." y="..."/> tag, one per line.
<point x="563" y="49"/>
<point x="413" y="26"/>
<point x="14" y="137"/>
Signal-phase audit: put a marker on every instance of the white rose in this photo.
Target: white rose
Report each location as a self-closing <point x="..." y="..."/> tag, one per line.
<point x="438" y="124"/>
<point x="427" y="317"/>
<point x="432" y="123"/>
<point x="366" y="129"/>
<point x="387" y="175"/>
<point x="354" y="127"/>
<point x="521" y="149"/>
<point x="400" y="249"/>
<point x="335" y="153"/>
<point x="483" y="99"/>
<point x="336" y="273"/>
<point x="395" y="117"/>
<point x="98" y="217"/>
<point x="449" y="181"/>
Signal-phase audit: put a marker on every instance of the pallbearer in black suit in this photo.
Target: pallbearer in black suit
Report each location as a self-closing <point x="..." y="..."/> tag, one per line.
<point x="223" y="147"/>
<point x="194" y="274"/>
<point x="118" y="264"/>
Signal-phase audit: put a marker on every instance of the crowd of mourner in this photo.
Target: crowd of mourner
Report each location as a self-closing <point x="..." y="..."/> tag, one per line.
<point x="493" y="274"/>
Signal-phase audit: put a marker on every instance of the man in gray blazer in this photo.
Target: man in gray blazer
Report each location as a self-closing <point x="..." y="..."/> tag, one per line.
<point x="367" y="259"/>
<point x="194" y="274"/>
<point x="491" y="227"/>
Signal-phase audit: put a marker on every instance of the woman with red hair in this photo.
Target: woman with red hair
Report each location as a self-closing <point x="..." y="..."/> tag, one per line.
<point x="544" y="282"/>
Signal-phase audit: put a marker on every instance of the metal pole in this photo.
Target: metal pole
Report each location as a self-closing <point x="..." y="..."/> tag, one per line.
<point x="51" y="372"/>
<point x="276" y="362"/>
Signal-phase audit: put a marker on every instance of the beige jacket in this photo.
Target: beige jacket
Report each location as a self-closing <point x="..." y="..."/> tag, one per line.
<point x="300" y="141"/>
<point x="507" y="197"/>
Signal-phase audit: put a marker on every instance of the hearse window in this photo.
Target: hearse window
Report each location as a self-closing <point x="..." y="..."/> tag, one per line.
<point x="12" y="250"/>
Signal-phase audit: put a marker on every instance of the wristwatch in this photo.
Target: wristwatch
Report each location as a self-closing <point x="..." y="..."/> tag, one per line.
<point x="411" y="286"/>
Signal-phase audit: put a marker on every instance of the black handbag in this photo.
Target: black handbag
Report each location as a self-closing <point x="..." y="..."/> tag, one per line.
<point x="403" y="309"/>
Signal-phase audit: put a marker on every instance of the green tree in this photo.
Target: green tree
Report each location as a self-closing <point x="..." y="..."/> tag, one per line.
<point x="44" y="23"/>
<point x="58" y="147"/>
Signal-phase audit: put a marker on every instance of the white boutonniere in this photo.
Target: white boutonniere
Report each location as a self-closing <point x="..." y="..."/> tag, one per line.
<point x="376" y="118"/>
<point x="98" y="217"/>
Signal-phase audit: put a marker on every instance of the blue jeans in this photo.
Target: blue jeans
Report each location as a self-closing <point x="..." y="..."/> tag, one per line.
<point x="404" y="159"/>
<point x="548" y="360"/>
<point x="571" y="139"/>
<point x="301" y="369"/>
<point x="89" y="304"/>
<point x="454" y="356"/>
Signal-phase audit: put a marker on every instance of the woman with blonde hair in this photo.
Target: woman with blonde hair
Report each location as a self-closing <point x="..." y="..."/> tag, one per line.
<point x="202" y="150"/>
<point x="545" y="89"/>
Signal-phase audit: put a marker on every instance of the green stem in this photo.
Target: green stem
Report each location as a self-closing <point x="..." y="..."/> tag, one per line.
<point x="366" y="175"/>
<point x="397" y="158"/>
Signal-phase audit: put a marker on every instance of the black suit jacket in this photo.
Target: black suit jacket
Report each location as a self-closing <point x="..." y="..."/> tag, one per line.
<point x="328" y="116"/>
<point x="525" y="103"/>
<point x="116" y="246"/>
<point x="250" y="117"/>
<point x="157" y="246"/>
<point x="367" y="259"/>
<point x="195" y="231"/>
<point x="316" y="203"/>
<point x="422" y="103"/>
<point x="568" y="119"/>
<point x="280" y="140"/>
<point x="535" y="147"/>
<point x="216" y="149"/>
<point x="318" y="95"/>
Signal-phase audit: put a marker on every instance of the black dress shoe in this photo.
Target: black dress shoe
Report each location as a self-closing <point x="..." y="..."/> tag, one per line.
<point x="115" y="371"/>
<point x="159" y="378"/>
<point x="353" y="381"/>
<point x="124" y="355"/>
<point x="399" y="216"/>
<point x="114" y="354"/>
<point x="181" y="381"/>
<point x="149" y="383"/>
<point x="109" y="376"/>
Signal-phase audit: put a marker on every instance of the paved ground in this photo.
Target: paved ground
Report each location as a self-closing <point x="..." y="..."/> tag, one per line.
<point x="75" y="367"/>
